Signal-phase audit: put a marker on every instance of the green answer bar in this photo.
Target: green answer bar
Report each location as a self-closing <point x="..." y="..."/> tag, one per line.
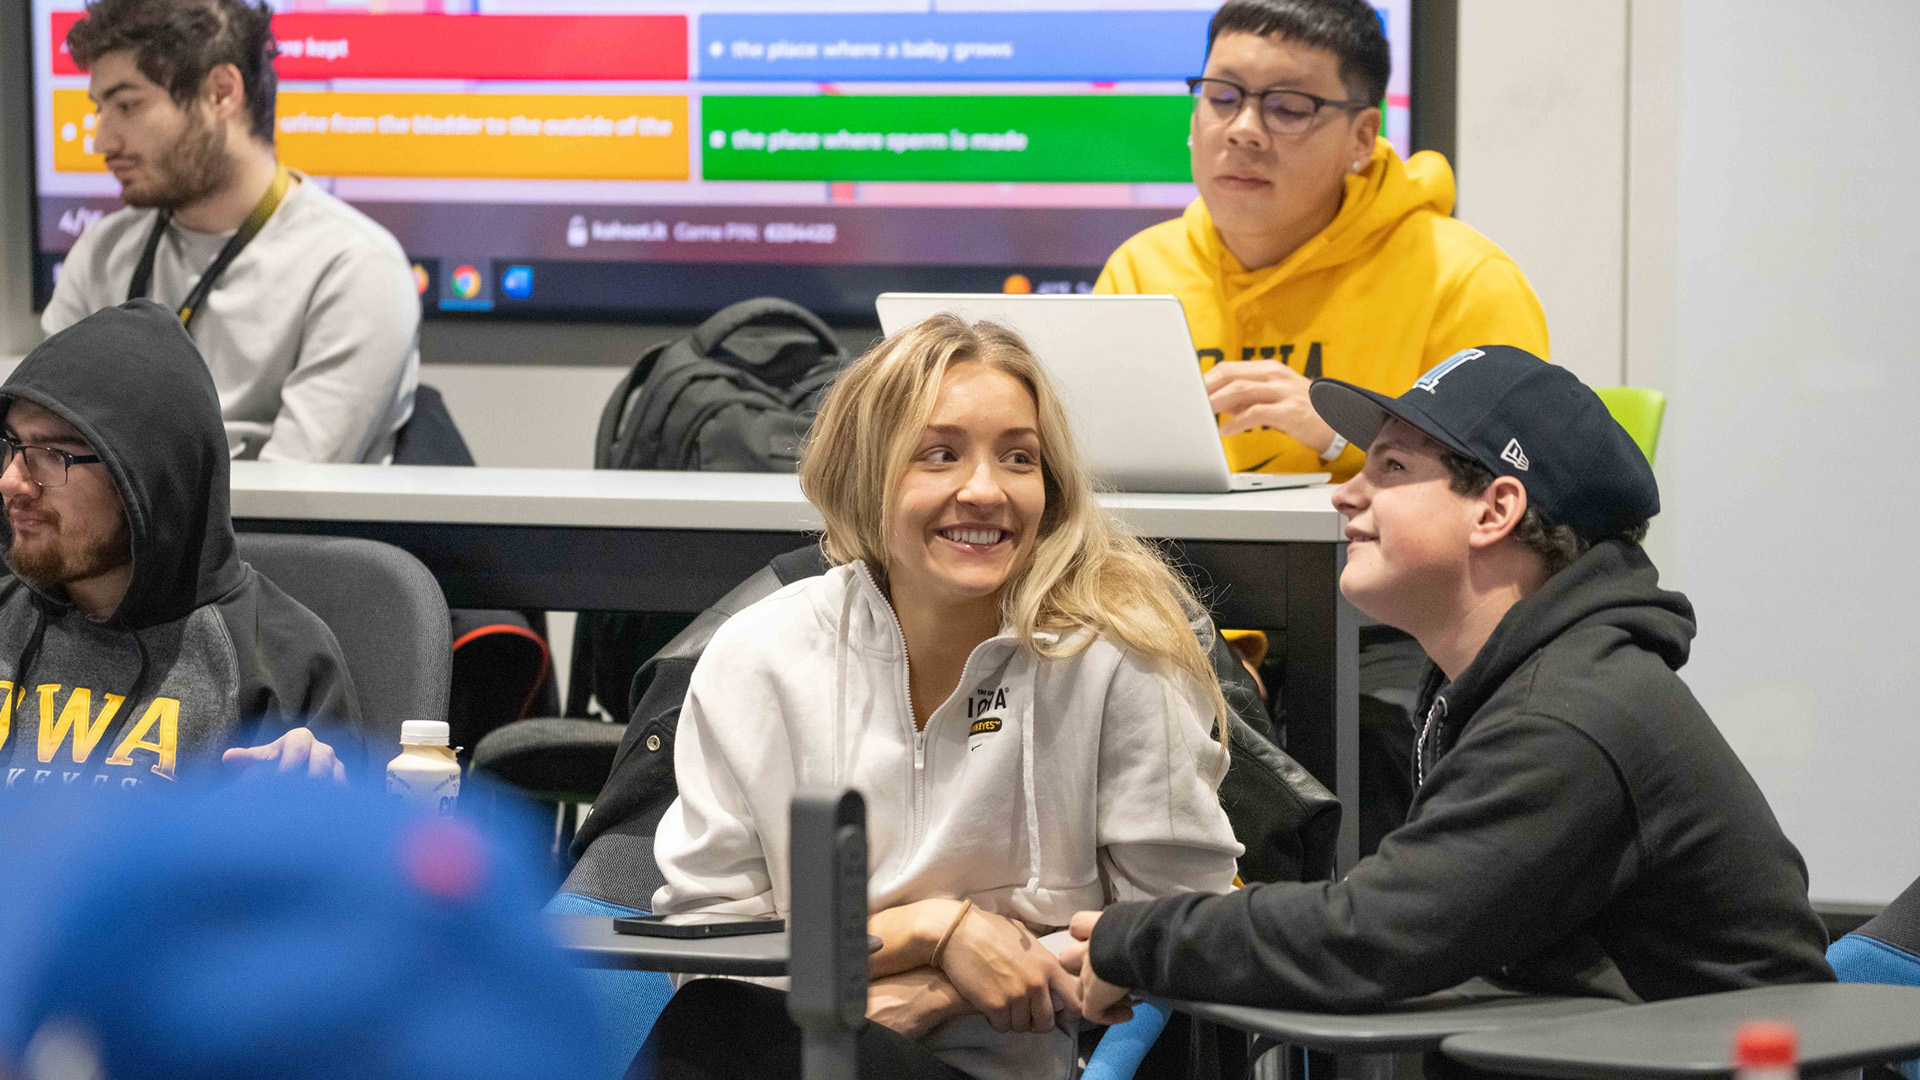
<point x="1090" y="138"/>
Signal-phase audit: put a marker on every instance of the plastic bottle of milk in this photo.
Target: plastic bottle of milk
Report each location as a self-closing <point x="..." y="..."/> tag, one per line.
<point x="425" y="774"/>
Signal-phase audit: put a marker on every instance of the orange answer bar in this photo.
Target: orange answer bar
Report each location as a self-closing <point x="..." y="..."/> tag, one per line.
<point x="453" y="136"/>
<point x="73" y="133"/>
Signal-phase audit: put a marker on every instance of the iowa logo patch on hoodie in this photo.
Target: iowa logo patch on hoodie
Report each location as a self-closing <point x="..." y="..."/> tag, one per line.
<point x="986" y="713"/>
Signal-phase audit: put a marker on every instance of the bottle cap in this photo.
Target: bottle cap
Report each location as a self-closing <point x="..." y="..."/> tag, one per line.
<point x="425" y="732"/>
<point x="1765" y="1045"/>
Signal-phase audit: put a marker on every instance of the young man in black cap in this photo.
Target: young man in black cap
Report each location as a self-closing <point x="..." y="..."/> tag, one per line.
<point x="1580" y="826"/>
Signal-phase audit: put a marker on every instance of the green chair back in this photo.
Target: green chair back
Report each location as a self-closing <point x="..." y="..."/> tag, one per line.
<point x="1639" y="410"/>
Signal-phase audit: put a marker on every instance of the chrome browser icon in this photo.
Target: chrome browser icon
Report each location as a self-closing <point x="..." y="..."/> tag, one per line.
<point x="466" y="282"/>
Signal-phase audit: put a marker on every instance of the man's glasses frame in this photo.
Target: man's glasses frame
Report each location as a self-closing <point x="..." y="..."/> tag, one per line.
<point x="41" y="461"/>
<point x="1281" y="111"/>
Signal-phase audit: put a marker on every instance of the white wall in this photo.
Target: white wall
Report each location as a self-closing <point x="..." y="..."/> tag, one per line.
<point x="529" y="394"/>
<point x="1540" y="160"/>
<point x="1794" y="498"/>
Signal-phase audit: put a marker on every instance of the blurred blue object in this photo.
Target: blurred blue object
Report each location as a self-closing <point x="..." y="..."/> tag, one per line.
<point x="276" y="930"/>
<point x="629" y="1001"/>
<point x="1857" y="958"/>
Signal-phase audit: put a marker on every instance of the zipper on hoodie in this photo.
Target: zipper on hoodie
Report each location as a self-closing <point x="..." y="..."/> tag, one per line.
<point x="919" y="784"/>
<point x="919" y="779"/>
<point x="1436" y="713"/>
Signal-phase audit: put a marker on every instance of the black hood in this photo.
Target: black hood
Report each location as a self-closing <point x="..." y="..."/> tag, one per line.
<point x="1612" y="585"/>
<point x="130" y="380"/>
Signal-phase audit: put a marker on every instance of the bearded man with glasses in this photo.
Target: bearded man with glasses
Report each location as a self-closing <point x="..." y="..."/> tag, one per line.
<point x="1313" y="251"/>
<point x="135" y="646"/>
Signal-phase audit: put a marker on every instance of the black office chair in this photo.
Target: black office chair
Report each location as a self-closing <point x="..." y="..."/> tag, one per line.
<point x="387" y="612"/>
<point x="430" y="437"/>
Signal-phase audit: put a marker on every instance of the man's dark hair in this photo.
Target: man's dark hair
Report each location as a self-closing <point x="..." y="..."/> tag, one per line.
<point x="177" y="42"/>
<point x="1557" y="545"/>
<point x="1349" y="29"/>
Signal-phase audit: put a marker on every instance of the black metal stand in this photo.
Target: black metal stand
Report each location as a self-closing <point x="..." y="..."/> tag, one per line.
<point x="828" y="924"/>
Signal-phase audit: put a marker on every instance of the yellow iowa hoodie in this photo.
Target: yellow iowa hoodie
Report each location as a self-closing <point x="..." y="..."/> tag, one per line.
<point x="1390" y="288"/>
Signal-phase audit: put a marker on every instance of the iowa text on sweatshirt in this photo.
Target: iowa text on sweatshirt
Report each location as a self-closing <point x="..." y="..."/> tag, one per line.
<point x="1391" y="287"/>
<point x="203" y="653"/>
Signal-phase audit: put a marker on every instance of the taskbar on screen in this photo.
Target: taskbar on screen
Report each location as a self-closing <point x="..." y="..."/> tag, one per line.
<point x="667" y="292"/>
<point x="682" y="263"/>
<point x="689" y="292"/>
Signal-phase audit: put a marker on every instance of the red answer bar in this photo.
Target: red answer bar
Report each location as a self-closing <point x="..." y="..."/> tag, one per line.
<point x="540" y="47"/>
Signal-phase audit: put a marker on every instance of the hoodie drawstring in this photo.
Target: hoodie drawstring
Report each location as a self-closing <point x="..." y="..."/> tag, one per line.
<point x="32" y="652"/>
<point x="27" y="656"/>
<point x="140" y="677"/>
<point x="1027" y="792"/>
<point x="843" y="648"/>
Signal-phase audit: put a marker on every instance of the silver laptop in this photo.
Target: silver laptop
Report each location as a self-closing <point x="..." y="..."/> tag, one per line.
<point x="1125" y="370"/>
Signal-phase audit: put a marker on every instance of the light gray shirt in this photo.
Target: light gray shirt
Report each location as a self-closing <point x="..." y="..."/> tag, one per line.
<point x="312" y="334"/>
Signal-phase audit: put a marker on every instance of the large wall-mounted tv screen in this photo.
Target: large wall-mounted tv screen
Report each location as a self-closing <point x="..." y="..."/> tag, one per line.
<point x="655" y="159"/>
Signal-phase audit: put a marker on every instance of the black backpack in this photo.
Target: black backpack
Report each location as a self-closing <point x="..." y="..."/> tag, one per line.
<point x="738" y="394"/>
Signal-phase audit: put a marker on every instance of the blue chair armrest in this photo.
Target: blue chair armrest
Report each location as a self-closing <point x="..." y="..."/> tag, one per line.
<point x="1124" y="1046"/>
<point x="628" y="1001"/>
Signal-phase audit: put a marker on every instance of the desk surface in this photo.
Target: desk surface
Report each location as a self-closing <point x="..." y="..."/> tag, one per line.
<point x="755" y="502"/>
<point x="1840" y="1026"/>
<point x="1417" y="1025"/>
<point x="591" y="942"/>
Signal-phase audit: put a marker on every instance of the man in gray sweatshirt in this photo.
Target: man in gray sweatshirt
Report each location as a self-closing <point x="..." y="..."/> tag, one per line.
<point x="304" y="309"/>
<point x="135" y="646"/>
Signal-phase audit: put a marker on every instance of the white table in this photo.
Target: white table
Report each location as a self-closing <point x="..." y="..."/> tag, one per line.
<point x="1368" y="1045"/>
<point x="591" y="941"/>
<point x="1841" y="1027"/>
<point x="585" y="540"/>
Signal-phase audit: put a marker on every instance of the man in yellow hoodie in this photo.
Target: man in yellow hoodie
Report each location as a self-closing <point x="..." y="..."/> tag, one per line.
<point x="1314" y="250"/>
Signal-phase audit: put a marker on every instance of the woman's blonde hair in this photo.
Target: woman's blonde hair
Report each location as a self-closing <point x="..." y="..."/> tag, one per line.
<point x="1087" y="571"/>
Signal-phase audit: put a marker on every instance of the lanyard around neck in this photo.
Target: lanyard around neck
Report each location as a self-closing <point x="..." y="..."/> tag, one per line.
<point x="257" y="220"/>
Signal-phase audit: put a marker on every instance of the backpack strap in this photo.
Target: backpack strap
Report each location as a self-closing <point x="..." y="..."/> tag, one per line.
<point x="616" y="407"/>
<point x="763" y="311"/>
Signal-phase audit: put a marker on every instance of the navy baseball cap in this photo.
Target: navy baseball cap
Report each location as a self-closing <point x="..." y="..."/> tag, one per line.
<point x="1518" y="416"/>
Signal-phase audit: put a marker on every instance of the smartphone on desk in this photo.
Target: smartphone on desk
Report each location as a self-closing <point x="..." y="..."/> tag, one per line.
<point x="697" y="924"/>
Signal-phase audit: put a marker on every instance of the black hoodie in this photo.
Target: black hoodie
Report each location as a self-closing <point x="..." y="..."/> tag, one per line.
<point x="1581" y="827"/>
<point x="203" y="653"/>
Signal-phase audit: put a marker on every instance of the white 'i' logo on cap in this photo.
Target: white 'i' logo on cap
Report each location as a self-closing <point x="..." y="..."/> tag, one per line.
<point x="1514" y="455"/>
<point x="1430" y="382"/>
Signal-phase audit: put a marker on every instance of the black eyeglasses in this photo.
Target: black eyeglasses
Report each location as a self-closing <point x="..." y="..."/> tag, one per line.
<point x="46" y="465"/>
<point x="1282" y="112"/>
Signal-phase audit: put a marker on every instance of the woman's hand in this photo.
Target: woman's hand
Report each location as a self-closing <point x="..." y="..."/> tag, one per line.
<point x="914" y="1002"/>
<point x="1007" y="974"/>
<point x="908" y="934"/>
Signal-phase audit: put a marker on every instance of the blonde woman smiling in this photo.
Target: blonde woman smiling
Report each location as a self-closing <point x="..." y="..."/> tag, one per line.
<point x="1012" y="681"/>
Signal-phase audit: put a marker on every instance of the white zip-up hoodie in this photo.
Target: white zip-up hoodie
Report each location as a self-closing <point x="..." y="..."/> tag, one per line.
<point x="1039" y="789"/>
